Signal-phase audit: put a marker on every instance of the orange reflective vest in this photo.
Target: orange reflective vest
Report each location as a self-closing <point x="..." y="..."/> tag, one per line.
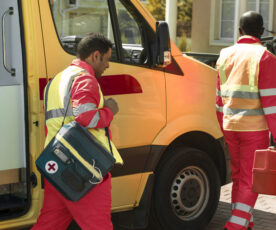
<point x="57" y="95"/>
<point x="238" y="68"/>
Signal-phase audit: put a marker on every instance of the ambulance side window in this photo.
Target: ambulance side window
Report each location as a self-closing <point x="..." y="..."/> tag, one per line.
<point x="131" y="30"/>
<point x="76" y="18"/>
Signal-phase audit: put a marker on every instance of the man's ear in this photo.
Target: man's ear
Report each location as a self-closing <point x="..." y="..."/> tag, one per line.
<point x="262" y="31"/>
<point x="97" y="55"/>
<point x="92" y="56"/>
<point x="241" y="32"/>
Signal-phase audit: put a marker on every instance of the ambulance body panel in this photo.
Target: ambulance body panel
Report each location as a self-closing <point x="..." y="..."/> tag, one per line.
<point x="166" y="118"/>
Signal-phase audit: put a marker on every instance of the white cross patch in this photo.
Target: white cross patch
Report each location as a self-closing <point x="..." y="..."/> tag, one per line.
<point x="51" y="167"/>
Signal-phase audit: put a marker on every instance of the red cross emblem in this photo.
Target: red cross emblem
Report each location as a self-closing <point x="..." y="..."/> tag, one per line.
<point x="51" y="167"/>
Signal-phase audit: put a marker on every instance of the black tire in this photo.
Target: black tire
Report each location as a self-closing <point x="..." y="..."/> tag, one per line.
<point x="186" y="191"/>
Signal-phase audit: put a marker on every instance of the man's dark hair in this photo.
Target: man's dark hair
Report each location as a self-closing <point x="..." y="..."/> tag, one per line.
<point x="91" y="43"/>
<point x="252" y="23"/>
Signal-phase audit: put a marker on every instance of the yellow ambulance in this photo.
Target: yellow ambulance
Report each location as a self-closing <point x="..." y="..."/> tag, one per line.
<point x="166" y="130"/>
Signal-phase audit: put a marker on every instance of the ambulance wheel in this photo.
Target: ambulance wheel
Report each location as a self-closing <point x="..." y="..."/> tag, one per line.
<point x="186" y="191"/>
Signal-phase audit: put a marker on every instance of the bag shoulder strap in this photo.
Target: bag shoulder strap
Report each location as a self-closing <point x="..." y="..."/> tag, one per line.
<point x="106" y="128"/>
<point x="46" y="95"/>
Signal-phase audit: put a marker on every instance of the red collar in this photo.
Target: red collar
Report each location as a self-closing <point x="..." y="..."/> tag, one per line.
<point x="83" y="65"/>
<point x="248" y="39"/>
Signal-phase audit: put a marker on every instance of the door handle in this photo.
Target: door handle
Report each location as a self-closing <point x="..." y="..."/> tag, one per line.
<point x="10" y="12"/>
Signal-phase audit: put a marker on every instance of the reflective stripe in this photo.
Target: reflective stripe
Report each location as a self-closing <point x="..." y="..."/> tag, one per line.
<point x="239" y="221"/>
<point x="240" y="94"/>
<point x="243" y="112"/>
<point x="243" y="207"/>
<point x="219" y="108"/>
<point x="46" y="98"/>
<point x="84" y="108"/>
<point x="94" y="120"/>
<point x="222" y="74"/>
<point x="243" y="88"/>
<point x="252" y="72"/>
<point x="269" y="110"/>
<point x="79" y="157"/>
<point x="251" y="219"/>
<point x="67" y="77"/>
<point x="54" y="113"/>
<point x="268" y="92"/>
<point x="46" y="94"/>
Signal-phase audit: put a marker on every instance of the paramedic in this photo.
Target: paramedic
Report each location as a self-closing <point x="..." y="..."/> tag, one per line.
<point x="246" y="109"/>
<point x="91" y="110"/>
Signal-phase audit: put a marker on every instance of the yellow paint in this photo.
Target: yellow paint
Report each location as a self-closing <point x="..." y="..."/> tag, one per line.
<point x="127" y="191"/>
<point x="191" y="101"/>
<point x="170" y="105"/>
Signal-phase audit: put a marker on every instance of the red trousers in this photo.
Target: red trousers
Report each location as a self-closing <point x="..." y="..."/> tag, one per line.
<point x="92" y="212"/>
<point x="242" y="146"/>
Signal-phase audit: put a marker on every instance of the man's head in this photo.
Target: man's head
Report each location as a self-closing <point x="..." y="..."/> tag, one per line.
<point x="251" y="23"/>
<point x="95" y="49"/>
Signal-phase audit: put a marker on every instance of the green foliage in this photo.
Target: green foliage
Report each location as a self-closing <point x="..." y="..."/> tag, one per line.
<point x="184" y="9"/>
<point x="157" y="8"/>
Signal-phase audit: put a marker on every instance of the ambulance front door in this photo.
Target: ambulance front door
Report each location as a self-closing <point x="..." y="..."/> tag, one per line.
<point x="138" y="88"/>
<point x="13" y="187"/>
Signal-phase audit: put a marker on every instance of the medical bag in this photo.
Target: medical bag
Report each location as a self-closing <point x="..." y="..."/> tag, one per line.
<point x="264" y="171"/>
<point x="74" y="161"/>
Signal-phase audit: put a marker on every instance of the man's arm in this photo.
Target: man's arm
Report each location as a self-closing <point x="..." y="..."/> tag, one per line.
<point x="85" y="99"/>
<point x="267" y="87"/>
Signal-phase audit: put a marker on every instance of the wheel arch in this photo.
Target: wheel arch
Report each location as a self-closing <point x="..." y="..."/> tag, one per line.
<point x="190" y="140"/>
<point x="201" y="141"/>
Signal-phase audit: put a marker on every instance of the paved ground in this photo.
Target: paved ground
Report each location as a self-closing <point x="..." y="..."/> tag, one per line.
<point x="264" y="214"/>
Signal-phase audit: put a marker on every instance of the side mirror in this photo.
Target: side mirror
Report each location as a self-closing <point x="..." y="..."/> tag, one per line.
<point x="163" y="49"/>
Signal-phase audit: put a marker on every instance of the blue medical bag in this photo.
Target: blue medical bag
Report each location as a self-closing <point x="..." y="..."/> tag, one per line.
<point x="74" y="161"/>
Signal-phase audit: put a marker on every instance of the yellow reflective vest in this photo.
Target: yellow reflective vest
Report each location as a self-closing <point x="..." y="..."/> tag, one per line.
<point x="238" y="68"/>
<point x="57" y="95"/>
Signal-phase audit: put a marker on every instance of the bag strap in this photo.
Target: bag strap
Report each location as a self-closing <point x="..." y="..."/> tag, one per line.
<point x="66" y="110"/>
<point x="106" y="128"/>
<point x="108" y="136"/>
<point x="46" y="96"/>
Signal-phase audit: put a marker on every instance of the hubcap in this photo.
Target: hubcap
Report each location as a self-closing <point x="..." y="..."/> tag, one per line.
<point x="189" y="193"/>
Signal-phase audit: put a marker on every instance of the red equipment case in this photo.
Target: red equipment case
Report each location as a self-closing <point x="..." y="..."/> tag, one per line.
<point x="264" y="171"/>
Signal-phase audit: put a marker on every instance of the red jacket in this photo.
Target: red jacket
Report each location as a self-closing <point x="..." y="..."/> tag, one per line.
<point x="85" y="91"/>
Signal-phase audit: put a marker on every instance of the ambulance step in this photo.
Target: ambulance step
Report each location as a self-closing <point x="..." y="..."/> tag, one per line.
<point x="11" y="202"/>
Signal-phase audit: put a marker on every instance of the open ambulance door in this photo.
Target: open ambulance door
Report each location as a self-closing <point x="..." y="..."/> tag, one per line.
<point x="14" y="199"/>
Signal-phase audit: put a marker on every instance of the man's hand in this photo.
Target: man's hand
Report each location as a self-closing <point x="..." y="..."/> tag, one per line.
<point x="112" y="104"/>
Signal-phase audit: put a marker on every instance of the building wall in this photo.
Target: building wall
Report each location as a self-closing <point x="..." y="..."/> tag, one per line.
<point x="274" y="18"/>
<point x="205" y="25"/>
<point x="201" y="27"/>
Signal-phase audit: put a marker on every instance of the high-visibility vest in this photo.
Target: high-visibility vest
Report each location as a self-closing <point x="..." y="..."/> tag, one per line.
<point x="57" y="95"/>
<point x="238" y="68"/>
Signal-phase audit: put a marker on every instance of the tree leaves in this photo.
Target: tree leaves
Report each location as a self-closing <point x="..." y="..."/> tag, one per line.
<point x="184" y="9"/>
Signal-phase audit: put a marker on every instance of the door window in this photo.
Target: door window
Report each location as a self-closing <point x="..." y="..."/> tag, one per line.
<point x="131" y="31"/>
<point x="75" y="18"/>
<point x="263" y="7"/>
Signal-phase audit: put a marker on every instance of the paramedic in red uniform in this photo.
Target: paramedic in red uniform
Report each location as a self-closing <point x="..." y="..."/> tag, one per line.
<point x="246" y="110"/>
<point x="92" y="111"/>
